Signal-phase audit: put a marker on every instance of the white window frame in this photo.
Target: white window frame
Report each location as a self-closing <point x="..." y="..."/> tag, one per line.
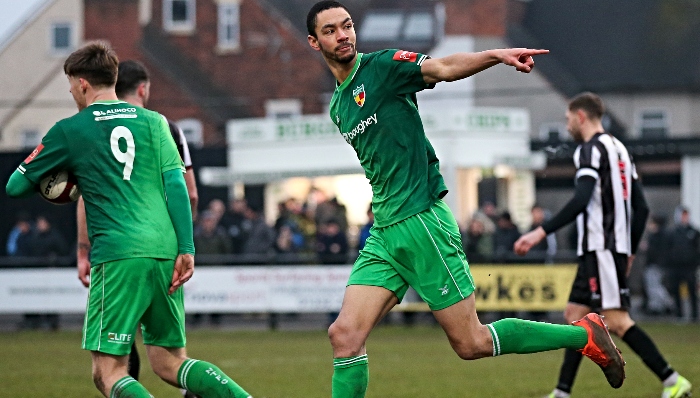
<point x="226" y="20"/>
<point x="72" y="39"/>
<point x="193" y="131"/>
<point x="663" y="123"/>
<point x="182" y="27"/>
<point x="283" y="108"/>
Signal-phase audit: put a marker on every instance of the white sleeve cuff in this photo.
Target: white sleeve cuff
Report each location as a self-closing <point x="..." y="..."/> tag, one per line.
<point x="587" y="172"/>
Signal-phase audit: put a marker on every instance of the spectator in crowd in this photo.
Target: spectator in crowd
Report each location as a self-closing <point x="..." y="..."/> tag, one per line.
<point x="307" y="227"/>
<point x="236" y="224"/>
<point x="288" y="241"/>
<point x="489" y="210"/>
<point x="261" y="237"/>
<point x="657" y="298"/>
<point x="283" y="215"/>
<point x="46" y="241"/>
<point x="364" y="231"/>
<point x="284" y="243"/>
<point x="209" y="236"/>
<point x="504" y="238"/>
<point x="327" y="209"/>
<point x="19" y="239"/>
<point x="547" y="248"/>
<point x="318" y="206"/>
<point x="477" y="243"/>
<point x="683" y="256"/>
<point x="332" y="243"/>
<point x="487" y="216"/>
<point x="217" y="208"/>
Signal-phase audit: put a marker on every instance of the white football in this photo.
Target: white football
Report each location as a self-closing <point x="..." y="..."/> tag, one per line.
<point x="59" y="188"/>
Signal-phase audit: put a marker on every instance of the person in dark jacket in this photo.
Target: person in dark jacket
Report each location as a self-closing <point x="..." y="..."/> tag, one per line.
<point x="209" y="236"/>
<point x="332" y="243"/>
<point x="261" y="237"/>
<point x="504" y="238"/>
<point x="46" y="241"/>
<point x="682" y="260"/>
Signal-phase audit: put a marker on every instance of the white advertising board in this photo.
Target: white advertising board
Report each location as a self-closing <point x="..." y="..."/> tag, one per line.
<point x="266" y="289"/>
<point x="211" y="289"/>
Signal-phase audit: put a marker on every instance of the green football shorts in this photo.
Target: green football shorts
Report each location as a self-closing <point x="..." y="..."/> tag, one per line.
<point x="423" y="251"/>
<point x="126" y="292"/>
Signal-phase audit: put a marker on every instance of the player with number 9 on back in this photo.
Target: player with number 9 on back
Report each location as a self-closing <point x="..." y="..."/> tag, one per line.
<point x="126" y="164"/>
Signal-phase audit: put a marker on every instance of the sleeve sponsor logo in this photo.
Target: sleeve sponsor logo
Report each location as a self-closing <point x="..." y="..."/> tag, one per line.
<point x="405" y="56"/>
<point x="34" y="154"/>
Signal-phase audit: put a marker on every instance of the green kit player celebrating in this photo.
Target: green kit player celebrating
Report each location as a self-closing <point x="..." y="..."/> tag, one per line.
<point x="140" y="228"/>
<point x="415" y="240"/>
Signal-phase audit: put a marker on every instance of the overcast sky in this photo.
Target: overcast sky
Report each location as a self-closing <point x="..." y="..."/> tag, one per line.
<point x="12" y="12"/>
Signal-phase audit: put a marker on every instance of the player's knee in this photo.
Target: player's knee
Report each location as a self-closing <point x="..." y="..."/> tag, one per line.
<point x="474" y="346"/>
<point x="344" y="338"/>
<point x="337" y="334"/>
<point x="469" y="351"/>
<point x="167" y="370"/>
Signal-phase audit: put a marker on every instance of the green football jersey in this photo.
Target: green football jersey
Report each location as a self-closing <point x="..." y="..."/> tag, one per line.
<point x="377" y="113"/>
<point x="118" y="152"/>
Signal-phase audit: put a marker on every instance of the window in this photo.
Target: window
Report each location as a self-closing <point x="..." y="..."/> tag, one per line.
<point x="419" y="26"/>
<point x="653" y="123"/>
<point x="229" y="26"/>
<point x="394" y="25"/>
<point x="179" y="15"/>
<point x="282" y="108"/>
<point x="192" y="129"/>
<point x="61" y="37"/>
<point x="30" y="138"/>
<point x="381" y="26"/>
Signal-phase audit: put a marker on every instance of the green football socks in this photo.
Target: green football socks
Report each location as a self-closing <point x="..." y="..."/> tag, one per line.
<point x="517" y="336"/>
<point x="350" y="377"/>
<point x="207" y="380"/>
<point x="128" y="387"/>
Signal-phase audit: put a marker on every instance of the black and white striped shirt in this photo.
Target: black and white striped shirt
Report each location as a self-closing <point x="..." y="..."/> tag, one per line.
<point x="605" y="224"/>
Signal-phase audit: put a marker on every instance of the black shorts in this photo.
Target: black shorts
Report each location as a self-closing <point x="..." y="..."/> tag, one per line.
<point x="601" y="282"/>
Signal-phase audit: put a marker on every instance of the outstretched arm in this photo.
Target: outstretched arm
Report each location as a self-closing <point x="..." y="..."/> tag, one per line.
<point x="461" y="65"/>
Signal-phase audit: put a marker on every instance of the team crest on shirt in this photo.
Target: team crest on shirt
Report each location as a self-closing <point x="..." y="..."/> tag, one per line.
<point x="359" y="95"/>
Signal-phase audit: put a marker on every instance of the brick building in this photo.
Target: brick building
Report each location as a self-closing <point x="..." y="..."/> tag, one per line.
<point x="211" y="61"/>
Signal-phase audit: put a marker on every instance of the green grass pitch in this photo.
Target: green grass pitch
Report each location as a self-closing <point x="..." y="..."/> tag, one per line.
<point x="404" y="362"/>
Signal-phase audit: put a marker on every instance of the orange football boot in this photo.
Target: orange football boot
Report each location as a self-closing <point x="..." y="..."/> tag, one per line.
<point x="602" y="350"/>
